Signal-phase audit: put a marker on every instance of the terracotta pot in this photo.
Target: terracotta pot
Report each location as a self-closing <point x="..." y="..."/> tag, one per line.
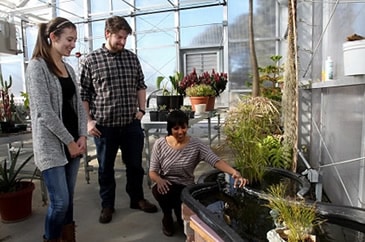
<point x="198" y="100"/>
<point x="210" y="104"/>
<point x="17" y="206"/>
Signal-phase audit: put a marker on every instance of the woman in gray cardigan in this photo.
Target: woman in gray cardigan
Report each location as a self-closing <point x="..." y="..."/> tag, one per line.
<point x="58" y="123"/>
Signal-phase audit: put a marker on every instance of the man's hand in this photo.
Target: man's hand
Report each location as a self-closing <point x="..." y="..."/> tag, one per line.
<point x="92" y="130"/>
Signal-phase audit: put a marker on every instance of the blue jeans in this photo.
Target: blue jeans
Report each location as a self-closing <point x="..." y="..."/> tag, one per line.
<point x="60" y="182"/>
<point x="130" y="139"/>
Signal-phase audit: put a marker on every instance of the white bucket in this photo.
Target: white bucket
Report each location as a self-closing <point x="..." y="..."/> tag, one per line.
<point x="354" y="57"/>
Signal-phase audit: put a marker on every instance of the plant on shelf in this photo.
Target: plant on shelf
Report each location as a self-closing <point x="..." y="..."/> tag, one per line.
<point x="15" y="189"/>
<point x="200" y="90"/>
<point x="170" y="87"/>
<point x="171" y="94"/>
<point x="294" y="218"/>
<point x="7" y="107"/>
<point x="162" y="112"/>
<point x="153" y="112"/>
<point x="185" y="108"/>
<point x="7" y="99"/>
<point x="218" y="81"/>
<point x="22" y="112"/>
<point x="162" y="108"/>
<point x="188" y="110"/>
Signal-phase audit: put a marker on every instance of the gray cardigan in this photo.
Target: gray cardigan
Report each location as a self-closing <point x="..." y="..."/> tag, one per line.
<point x="48" y="132"/>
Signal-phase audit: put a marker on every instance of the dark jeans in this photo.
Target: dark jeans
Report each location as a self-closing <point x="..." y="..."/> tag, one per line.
<point x="130" y="140"/>
<point x="171" y="200"/>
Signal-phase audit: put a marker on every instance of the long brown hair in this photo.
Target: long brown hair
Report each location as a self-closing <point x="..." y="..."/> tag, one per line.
<point x="43" y="44"/>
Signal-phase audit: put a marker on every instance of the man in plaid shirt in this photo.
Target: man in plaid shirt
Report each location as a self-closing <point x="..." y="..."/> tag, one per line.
<point x="114" y="95"/>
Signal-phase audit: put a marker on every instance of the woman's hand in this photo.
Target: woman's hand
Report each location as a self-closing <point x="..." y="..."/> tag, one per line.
<point x="239" y="181"/>
<point x="163" y="186"/>
<point x="74" y="149"/>
<point x="81" y="142"/>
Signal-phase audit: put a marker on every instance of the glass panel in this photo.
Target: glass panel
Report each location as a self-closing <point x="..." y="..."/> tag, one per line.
<point x="151" y="40"/>
<point x="155" y="22"/>
<point x="157" y="62"/>
<point x="240" y="65"/>
<point x="98" y="34"/>
<point x="67" y="9"/>
<point x="264" y="32"/>
<point x="204" y="31"/>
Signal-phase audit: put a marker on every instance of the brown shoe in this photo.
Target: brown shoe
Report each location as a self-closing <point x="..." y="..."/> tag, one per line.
<point x="145" y="206"/>
<point x="106" y="215"/>
<point x="68" y="233"/>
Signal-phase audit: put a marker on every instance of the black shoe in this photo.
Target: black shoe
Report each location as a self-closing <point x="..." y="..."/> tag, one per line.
<point x="145" y="206"/>
<point x="168" y="225"/>
<point x="106" y="215"/>
<point x="180" y="222"/>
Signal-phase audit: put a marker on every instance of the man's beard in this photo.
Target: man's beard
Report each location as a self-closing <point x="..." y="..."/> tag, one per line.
<point x="115" y="48"/>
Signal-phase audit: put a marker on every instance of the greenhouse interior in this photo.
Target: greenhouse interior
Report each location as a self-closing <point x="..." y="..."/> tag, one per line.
<point x="300" y="55"/>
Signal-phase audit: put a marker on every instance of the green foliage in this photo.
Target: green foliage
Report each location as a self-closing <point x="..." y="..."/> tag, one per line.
<point x="26" y="99"/>
<point x="186" y="108"/>
<point x="294" y="214"/>
<point x="7" y="99"/>
<point x="4" y="84"/>
<point x="162" y="107"/>
<point x="275" y="152"/>
<point x="9" y="176"/>
<point x="201" y="90"/>
<point x="174" y="82"/>
<point x="271" y="77"/>
<point x="246" y="127"/>
<point x="218" y="81"/>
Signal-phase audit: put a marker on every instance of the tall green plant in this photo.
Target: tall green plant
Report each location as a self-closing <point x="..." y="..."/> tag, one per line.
<point x="246" y="127"/>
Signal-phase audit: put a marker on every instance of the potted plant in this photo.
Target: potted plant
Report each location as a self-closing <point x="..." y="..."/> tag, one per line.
<point x="6" y="105"/>
<point x="188" y="110"/>
<point x="218" y="81"/>
<point x="171" y="95"/>
<point x="153" y="114"/>
<point x="199" y="94"/>
<point x="15" y="191"/>
<point x="294" y="218"/>
<point x="162" y="113"/>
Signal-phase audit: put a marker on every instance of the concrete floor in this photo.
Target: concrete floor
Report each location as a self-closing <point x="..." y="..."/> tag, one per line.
<point x="127" y="224"/>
